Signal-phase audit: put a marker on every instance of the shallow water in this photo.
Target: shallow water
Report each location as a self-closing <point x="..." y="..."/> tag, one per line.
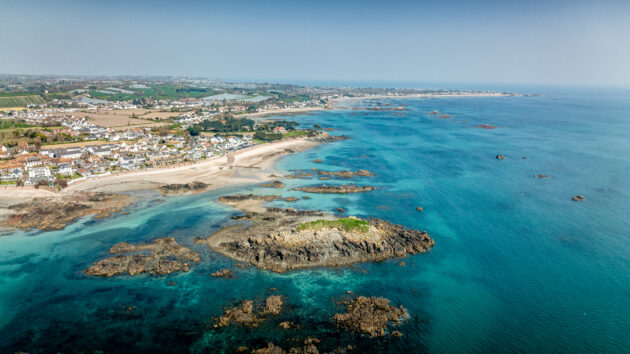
<point x="517" y="265"/>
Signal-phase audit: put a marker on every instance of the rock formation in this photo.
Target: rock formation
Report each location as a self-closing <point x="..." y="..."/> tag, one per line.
<point x="337" y="189"/>
<point x="223" y="273"/>
<point x="369" y="315"/>
<point x="248" y="315"/>
<point x="282" y="239"/>
<point x="193" y="187"/>
<point x="274" y="184"/>
<point x="55" y="213"/>
<point x="162" y="256"/>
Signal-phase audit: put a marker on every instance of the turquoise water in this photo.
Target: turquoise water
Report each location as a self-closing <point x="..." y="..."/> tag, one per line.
<point x="517" y="265"/>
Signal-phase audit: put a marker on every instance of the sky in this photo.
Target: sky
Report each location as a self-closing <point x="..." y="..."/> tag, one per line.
<point x="484" y="41"/>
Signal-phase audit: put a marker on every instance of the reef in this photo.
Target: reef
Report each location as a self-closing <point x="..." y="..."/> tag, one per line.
<point x="162" y="256"/>
<point x="370" y="315"/>
<point x="193" y="187"/>
<point x="279" y="239"/>
<point x="55" y="213"/>
<point x="337" y="189"/>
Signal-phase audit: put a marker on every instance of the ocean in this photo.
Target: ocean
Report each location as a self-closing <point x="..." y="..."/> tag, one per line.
<point x="517" y="265"/>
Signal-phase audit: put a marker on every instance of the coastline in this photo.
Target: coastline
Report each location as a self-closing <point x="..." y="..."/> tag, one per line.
<point x="250" y="165"/>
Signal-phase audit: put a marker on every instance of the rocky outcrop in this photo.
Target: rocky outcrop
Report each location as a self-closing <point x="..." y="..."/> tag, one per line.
<point x="500" y="157"/>
<point x="309" y="347"/>
<point x="317" y="161"/>
<point x="327" y="138"/>
<point x="283" y="239"/>
<point x="301" y="175"/>
<point x="291" y="199"/>
<point x="363" y="173"/>
<point x="243" y="197"/>
<point x="193" y="187"/>
<point x="274" y="184"/>
<point x="369" y="315"/>
<point x="337" y="189"/>
<point x="249" y="314"/>
<point x="162" y="256"/>
<point x="419" y="208"/>
<point x="55" y="213"/>
<point x="578" y="198"/>
<point x="343" y="174"/>
<point x="223" y="273"/>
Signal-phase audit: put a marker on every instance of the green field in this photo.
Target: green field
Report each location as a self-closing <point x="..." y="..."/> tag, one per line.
<point x="157" y="91"/>
<point x="20" y="101"/>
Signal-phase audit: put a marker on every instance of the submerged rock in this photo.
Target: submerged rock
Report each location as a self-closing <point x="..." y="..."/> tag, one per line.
<point x="485" y="126"/>
<point x="337" y="189"/>
<point x="193" y="187"/>
<point x="55" y="213"/>
<point x="291" y="199"/>
<point x="542" y="176"/>
<point x="162" y="256"/>
<point x="282" y="239"/>
<point x="369" y="315"/>
<point x="223" y="273"/>
<point x="419" y="208"/>
<point x="317" y="161"/>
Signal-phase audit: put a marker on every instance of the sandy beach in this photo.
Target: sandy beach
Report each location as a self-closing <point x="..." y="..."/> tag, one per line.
<point x="250" y="165"/>
<point x="284" y="111"/>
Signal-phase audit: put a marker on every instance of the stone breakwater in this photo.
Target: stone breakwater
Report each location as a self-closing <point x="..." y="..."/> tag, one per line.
<point x="279" y="239"/>
<point x="162" y="256"/>
<point x="55" y="213"/>
<point x="341" y="189"/>
<point x="192" y="187"/>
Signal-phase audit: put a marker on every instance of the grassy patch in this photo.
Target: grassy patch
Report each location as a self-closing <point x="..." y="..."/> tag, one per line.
<point x="294" y="133"/>
<point x="345" y="224"/>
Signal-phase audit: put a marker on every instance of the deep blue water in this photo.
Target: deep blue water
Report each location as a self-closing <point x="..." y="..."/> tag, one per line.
<point x="517" y="265"/>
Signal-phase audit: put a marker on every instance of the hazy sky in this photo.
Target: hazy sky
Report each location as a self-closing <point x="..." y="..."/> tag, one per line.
<point x="543" y="42"/>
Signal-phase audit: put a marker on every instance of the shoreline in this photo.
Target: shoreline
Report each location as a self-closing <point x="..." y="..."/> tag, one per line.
<point x="246" y="166"/>
<point x="250" y="165"/>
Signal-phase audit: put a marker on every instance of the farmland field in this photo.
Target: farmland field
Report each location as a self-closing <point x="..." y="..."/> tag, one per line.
<point x="20" y="101"/>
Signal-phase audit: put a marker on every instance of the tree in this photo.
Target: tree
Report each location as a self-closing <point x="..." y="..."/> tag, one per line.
<point x="62" y="183"/>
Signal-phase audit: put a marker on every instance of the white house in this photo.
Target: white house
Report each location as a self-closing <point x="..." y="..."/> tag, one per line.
<point x="39" y="172"/>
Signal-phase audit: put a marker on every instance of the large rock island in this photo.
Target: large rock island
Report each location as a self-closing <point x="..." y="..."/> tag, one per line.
<point x="282" y="239"/>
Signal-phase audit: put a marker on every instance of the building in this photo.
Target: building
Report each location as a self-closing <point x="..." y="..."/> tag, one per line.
<point x="37" y="173"/>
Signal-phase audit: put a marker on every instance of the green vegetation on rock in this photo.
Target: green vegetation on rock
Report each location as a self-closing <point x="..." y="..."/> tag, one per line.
<point x="345" y="224"/>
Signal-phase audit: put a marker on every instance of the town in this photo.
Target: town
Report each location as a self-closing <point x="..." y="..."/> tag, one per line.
<point x="55" y="130"/>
